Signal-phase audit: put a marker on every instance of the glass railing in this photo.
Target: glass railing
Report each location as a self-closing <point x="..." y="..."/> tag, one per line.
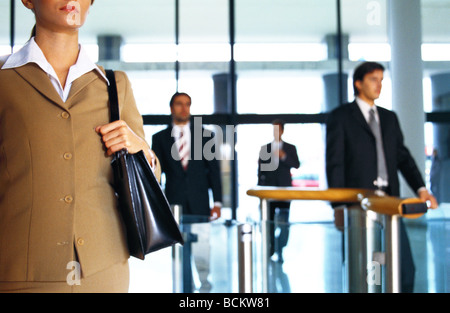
<point x="315" y="258"/>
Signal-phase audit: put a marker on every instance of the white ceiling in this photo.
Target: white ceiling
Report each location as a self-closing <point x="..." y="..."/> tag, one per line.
<point x="152" y="21"/>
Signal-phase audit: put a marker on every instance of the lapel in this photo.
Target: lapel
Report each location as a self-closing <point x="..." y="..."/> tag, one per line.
<point x="383" y="123"/>
<point x="81" y="83"/>
<point x="37" y="78"/>
<point x="170" y="142"/>
<point x="359" y="117"/>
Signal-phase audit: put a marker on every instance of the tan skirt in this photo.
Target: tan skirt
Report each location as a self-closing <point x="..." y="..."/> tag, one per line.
<point x="115" y="279"/>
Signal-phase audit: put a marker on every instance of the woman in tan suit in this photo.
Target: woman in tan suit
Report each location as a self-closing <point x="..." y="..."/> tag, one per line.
<point x="60" y="230"/>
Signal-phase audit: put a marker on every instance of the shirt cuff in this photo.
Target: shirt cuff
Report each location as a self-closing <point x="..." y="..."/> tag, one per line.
<point x="421" y="189"/>
<point x="153" y="163"/>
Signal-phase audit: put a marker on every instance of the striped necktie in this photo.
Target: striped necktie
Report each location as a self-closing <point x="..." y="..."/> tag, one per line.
<point x="382" y="178"/>
<point x="183" y="150"/>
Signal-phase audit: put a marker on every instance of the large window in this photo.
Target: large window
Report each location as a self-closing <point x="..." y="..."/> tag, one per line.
<point x="280" y="58"/>
<point x="4" y="28"/>
<point x="284" y="56"/>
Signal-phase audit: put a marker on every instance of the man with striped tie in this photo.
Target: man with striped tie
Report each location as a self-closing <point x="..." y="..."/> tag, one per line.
<point x="189" y="178"/>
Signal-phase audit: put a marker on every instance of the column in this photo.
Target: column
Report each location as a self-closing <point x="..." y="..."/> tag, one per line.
<point x="331" y="80"/>
<point x="222" y="105"/>
<point x="109" y="47"/>
<point x="405" y="35"/>
<point x="440" y="171"/>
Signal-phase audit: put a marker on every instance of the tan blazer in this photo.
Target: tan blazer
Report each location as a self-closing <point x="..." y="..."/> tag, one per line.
<point x="56" y="194"/>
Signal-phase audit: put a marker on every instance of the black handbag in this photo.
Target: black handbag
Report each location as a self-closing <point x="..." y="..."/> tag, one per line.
<point x="148" y="219"/>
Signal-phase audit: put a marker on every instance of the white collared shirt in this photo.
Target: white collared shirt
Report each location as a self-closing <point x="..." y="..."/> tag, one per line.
<point x="31" y="53"/>
<point x="277" y="145"/>
<point x="365" y="108"/>
<point x="176" y="130"/>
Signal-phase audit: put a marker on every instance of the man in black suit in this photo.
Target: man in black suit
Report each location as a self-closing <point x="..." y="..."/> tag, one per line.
<point x="188" y="180"/>
<point x="274" y="169"/>
<point x="351" y="151"/>
<point x="191" y="172"/>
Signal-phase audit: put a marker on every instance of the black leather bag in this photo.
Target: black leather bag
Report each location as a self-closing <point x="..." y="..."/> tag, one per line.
<point x="146" y="213"/>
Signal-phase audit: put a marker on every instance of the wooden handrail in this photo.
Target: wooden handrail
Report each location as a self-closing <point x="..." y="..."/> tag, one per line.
<point x="368" y="199"/>
<point x="394" y="206"/>
<point x="293" y="193"/>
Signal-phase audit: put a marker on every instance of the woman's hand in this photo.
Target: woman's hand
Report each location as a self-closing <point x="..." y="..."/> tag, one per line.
<point x="118" y="135"/>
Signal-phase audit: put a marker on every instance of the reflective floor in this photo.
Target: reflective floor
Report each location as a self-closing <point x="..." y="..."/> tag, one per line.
<point x="312" y="260"/>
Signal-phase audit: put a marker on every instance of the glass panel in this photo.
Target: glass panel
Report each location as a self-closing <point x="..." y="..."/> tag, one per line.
<point x="312" y="260"/>
<point x="5" y="28"/>
<point x="435" y="54"/>
<point x="310" y="150"/>
<point x="429" y="237"/>
<point x="365" y="24"/>
<point x="435" y="33"/>
<point x="143" y="22"/>
<point x="203" y="50"/>
<point x="282" y="55"/>
<point x="313" y="265"/>
<point x="152" y="90"/>
<point x="211" y="265"/>
<point x="148" y="52"/>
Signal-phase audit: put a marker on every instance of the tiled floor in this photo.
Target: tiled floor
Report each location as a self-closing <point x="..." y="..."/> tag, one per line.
<point x="313" y="259"/>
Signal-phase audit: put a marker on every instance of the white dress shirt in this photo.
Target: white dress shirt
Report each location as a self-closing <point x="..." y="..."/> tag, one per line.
<point x="31" y="53"/>
<point x="277" y="146"/>
<point x="365" y="109"/>
<point x="176" y="131"/>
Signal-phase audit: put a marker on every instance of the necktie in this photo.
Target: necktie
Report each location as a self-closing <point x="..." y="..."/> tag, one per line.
<point x="183" y="150"/>
<point x="381" y="162"/>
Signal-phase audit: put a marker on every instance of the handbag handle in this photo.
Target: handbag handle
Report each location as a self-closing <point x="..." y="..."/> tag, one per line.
<point x="113" y="97"/>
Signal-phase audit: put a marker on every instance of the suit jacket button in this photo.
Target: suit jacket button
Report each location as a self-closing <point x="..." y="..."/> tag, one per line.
<point x="80" y="241"/>
<point x="67" y="156"/>
<point x="68" y="199"/>
<point x="65" y="115"/>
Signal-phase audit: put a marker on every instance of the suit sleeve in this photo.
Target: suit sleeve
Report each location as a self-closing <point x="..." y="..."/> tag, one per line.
<point x="214" y="176"/>
<point x="130" y="113"/>
<point x="158" y="150"/>
<point x="406" y="164"/>
<point x="335" y="152"/>
<point x="128" y="109"/>
<point x="291" y="159"/>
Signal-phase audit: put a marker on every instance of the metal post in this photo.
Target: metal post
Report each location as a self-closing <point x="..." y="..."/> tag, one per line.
<point x="177" y="256"/>
<point x="265" y="241"/>
<point x="355" y="249"/>
<point x="363" y="250"/>
<point x="392" y="237"/>
<point x="245" y="257"/>
<point x="374" y="253"/>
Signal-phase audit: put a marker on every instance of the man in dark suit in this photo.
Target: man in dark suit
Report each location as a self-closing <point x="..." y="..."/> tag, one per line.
<point x="353" y="159"/>
<point x="274" y="169"/>
<point x="190" y="175"/>
<point x="188" y="180"/>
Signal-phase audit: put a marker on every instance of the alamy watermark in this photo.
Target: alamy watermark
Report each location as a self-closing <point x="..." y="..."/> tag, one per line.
<point x="74" y="16"/>
<point x="211" y="149"/>
<point x="74" y="276"/>
<point x="374" y="13"/>
<point x="373" y="273"/>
